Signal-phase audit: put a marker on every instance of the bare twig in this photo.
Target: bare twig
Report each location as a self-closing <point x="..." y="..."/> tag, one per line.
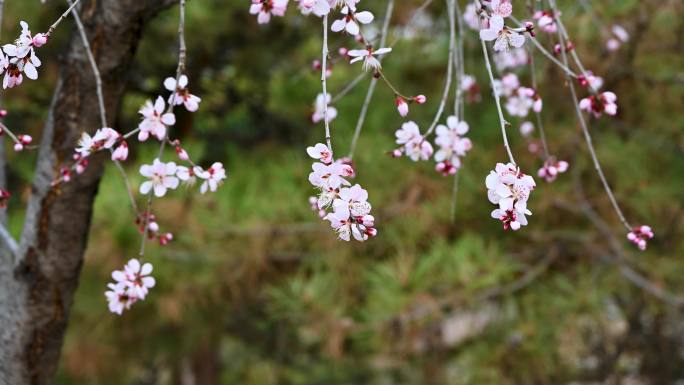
<point x="450" y="66"/>
<point x="61" y="18"/>
<point x="93" y="63"/>
<point x="585" y="129"/>
<point x="540" y="122"/>
<point x="373" y="83"/>
<point x="9" y="242"/>
<point x="324" y="82"/>
<point x="497" y="98"/>
<point x="100" y="99"/>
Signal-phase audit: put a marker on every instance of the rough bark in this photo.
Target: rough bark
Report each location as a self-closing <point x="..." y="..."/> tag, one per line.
<point x="37" y="288"/>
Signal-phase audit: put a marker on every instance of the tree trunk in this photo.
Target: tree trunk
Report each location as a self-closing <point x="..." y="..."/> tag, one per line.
<point x="37" y="287"/>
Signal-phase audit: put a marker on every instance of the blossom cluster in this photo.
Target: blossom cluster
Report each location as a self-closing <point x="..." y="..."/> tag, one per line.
<point x="132" y="284"/>
<point x="19" y="59"/>
<point x="452" y="145"/>
<point x="494" y="27"/>
<point x="450" y="141"/>
<point x="351" y="212"/>
<point x="640" y="236"/>
<point x="510" y="189"/>
<point x="519" y="100"/>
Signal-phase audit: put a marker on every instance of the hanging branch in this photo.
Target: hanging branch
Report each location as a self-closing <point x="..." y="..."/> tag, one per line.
<point x="537" y="114"/>
<point x="497" y="99"/>
<point x="450" y="67"/>
<point x="373" y="83"/>
<point x="100" y="99"/>
<point x="182" y="53"/>
<point x="585" y="130"/>
<point x="324" y="82"/>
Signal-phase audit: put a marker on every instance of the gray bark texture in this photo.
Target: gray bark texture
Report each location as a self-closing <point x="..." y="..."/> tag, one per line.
<point x="37" y="286"/>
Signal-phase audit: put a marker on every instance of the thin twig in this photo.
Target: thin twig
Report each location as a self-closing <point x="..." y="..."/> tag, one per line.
<point x="324" y="82"/>
<point x="100" y="99"/>
<point x="93" y="64"/>
<point x="497" y="98"/>
<point x="459" y="64"/>
<point x="450" y="67"/>
<point x="585" y="131"/>
<point x="540" y="122"/>
<point x="61" y="18"/>
<point x="373" y="83"/>
<point x="546" y="53"/>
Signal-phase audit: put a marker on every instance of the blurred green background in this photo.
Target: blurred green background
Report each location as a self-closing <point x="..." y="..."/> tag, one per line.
<point x="255" y="289"/>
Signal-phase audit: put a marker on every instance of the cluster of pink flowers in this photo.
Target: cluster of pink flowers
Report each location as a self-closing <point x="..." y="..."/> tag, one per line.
<point x="640" y="236"/>
<point x="19" y="59"/>
<point x="350" y="215"/>
<point x="452" y="146"/>
<point x="510" y="189"/>
<point x="495" y="29"/>
<point x="157" y="118"/>
<point x="605" y="102"/>
<point x="551" y="168"/>
<point x="546" y="21"/>
<point x="130" y="286"/>
<point x="511" y="59"/>
<point x="412" y="143"/>
<point x="264" y="9"/>
<point x="519" y="99"/>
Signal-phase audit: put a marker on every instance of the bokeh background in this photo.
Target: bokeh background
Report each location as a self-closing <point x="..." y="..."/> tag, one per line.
<point x="256" y="290"/>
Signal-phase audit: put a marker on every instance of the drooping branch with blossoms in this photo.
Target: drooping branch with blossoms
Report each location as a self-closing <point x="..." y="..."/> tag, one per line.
<point x="20" y="59"/>
<point x="508" y="187"/>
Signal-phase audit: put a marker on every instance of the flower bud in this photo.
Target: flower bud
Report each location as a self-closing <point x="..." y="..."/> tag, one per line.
<point x="402" y="106"/>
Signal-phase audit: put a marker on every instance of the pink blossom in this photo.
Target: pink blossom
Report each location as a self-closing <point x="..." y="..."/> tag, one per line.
<point x="136" y="277"/>
<point x="320" y="104"/>
<point x="162" y="177"/>
<point x="320" y="152"/>
<point x="402" y="106"/>
<point x="121" y="152"/>
<point x="546" y="21"/>
<point x="319" y="8"/>
<point x="420" y="99"/>
<point x="510" y="189"/>
<point x="368" y="56"/>
<point x="452" y="145"/>
<point x="640" y="236"/>
<point x="264" y="9"/>
<point x="351" y="20"/>
<point x="118" y="298"/>
<point x="155" y="120"/>
<point x="213" y="177"/>
<point x="526" y="129"/>
<point x="598" y="104"/>
<point x="504" y="38"/>
<point x="181" y="94"/>
<point x="502" y="8"/>
<point x="552" y="168"/>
